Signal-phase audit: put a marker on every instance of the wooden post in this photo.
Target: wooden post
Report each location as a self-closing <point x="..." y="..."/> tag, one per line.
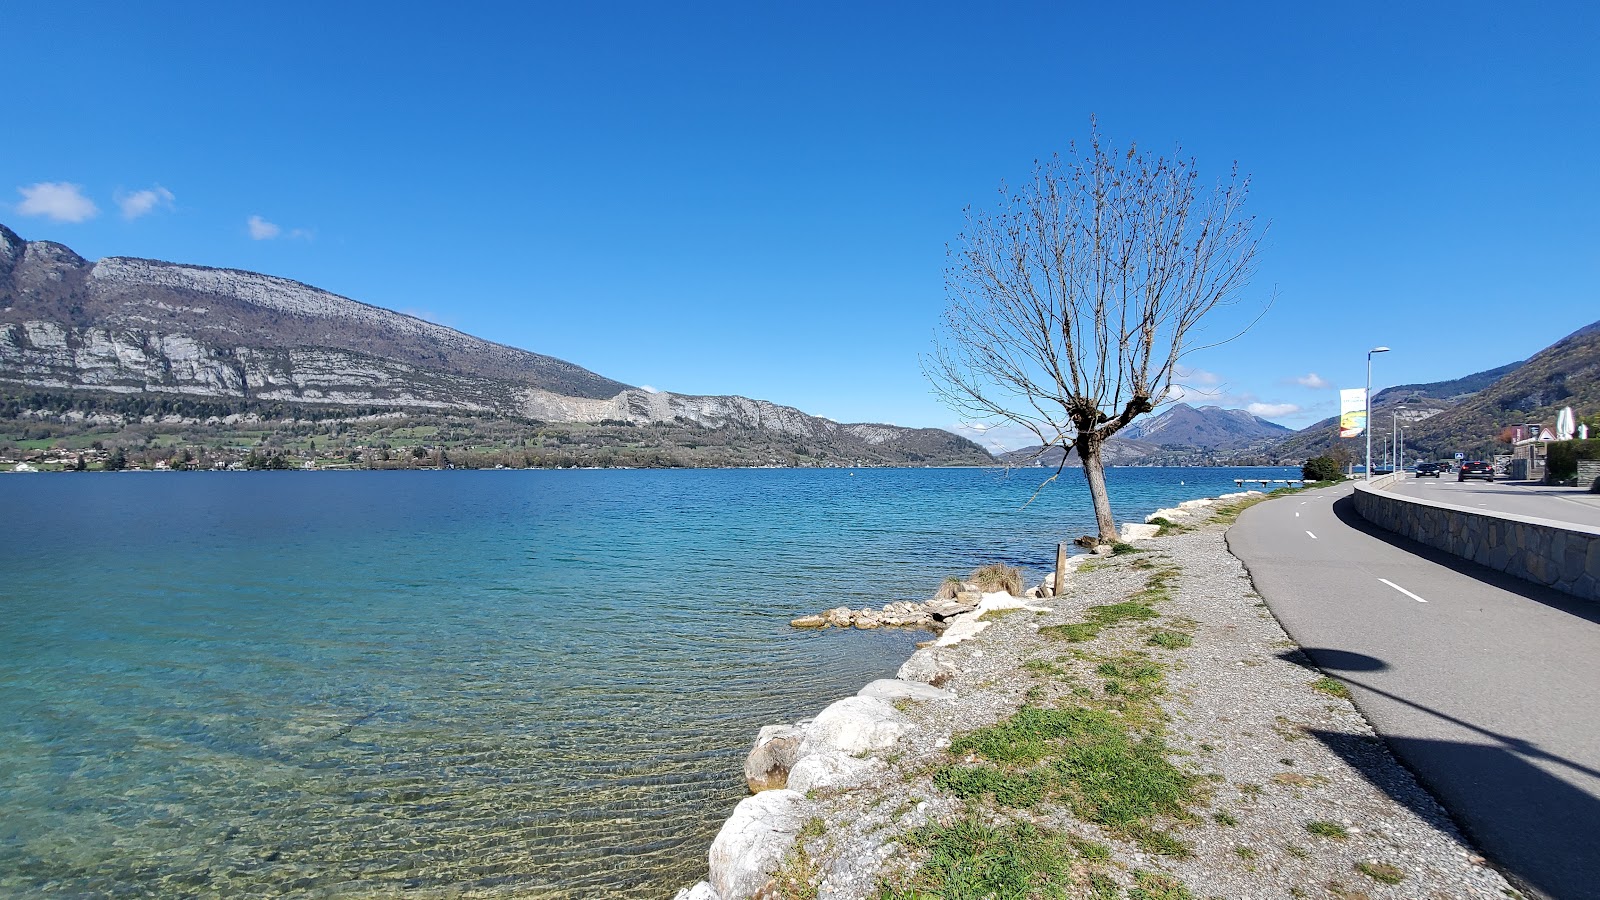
<point x="1061" y="568"/>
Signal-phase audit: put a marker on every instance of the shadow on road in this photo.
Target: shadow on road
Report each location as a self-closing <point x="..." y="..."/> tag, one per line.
<point x="1345" y="509"/>
<point x="1540" y="830"/>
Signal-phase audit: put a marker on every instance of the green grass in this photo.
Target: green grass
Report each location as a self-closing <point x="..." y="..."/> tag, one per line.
<point x="973" y="860"/>
<point x="1170" y="640"/>
<point x="1122" y="549"/>
<point x="1331" y="687"/>
<point x="1223" y="818"/>
<point x="1327" y="829"/>
<point x="1382" y="872"/>
<point x="1169" y="527"/>
<point x="1072" y="631"/>
<point x="1086" y="757"/>
<point x="1149" y="885"/>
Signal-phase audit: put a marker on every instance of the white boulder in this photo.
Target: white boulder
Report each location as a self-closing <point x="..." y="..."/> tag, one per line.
<point x="1133" y="531"/>
<point x="752" y="843"/>
<point x="893" y="689"/>
<point x="829" y="771"/>
<point x="927" y="665"/>
<point x="854" y="725"/>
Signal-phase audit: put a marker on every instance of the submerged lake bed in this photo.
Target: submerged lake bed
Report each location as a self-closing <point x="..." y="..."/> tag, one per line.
<point x="515" y="683"/>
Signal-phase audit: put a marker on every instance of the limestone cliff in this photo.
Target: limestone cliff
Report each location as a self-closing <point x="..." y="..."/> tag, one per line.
<point x="138" y="326"/>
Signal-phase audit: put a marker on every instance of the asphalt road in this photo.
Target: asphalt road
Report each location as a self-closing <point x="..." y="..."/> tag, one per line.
<point x="1486" y="686"/>
<point x="1516" y="497"/>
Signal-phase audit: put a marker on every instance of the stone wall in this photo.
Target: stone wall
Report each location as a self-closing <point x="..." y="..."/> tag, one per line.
<point x="1555" y="554"/>
<point x="1588" y="475"/>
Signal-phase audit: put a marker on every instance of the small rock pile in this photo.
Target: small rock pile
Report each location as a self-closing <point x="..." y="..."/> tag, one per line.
<point x="934" y="614"/>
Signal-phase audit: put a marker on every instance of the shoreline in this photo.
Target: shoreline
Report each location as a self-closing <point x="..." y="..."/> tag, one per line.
<point x="860" y="790"/>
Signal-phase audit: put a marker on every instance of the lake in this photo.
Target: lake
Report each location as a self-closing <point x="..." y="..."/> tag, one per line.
<point x="507" y="683"/>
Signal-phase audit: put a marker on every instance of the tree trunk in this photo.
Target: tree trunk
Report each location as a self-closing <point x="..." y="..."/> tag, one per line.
<point x="1094" y="472"/>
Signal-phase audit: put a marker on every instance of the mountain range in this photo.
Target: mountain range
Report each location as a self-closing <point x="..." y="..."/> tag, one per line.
<point x="201" y="354"/>
<point x="146" y="327"/>
<point x="1178" y="435"/>
<point x="1469" y="414"/>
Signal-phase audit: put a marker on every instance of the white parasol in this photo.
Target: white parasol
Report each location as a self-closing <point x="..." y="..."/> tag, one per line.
<point x="1566" y="424"/>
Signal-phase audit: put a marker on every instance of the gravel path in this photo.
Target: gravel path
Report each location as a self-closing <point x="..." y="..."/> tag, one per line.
<point x="1275" y="754"/>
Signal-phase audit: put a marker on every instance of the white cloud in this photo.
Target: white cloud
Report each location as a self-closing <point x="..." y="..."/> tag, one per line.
<point x="1196" y="377"/>
<point x="56" y="200"/>
<point x="142" y="203"/>
<point x="648" y="389"/>
<point x="1313" y="380"/>
<point x="262" y="230"/>
<point x="995" y="438"/>
<point x="1272" y="410"/>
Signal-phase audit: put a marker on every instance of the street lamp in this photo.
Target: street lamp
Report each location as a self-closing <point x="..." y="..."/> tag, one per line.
<point x="1396" y="443"/>
<point x="1369" y="406"/>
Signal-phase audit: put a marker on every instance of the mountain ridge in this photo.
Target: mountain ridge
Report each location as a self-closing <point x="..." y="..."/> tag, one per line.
<point x="125" y="325"/>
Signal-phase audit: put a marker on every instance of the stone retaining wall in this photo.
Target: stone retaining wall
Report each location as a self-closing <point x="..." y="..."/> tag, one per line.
<point x="1560" y="555"/>
<point x="1588" y="475"/>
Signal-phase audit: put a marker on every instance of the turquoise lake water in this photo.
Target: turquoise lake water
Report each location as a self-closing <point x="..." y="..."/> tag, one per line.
<point x="507" y="683"/>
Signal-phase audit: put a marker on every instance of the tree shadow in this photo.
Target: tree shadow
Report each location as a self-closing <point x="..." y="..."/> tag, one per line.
<point x="1588" y="610"/>
<point x="1540" y="830"/>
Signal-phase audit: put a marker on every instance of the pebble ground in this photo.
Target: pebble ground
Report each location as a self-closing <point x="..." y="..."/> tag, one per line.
<point x="1275" y="753"/>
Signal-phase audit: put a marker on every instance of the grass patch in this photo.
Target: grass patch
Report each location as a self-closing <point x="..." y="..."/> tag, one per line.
<point x="1332" y="687"/>
<point x="799" y="877"/>
<point x="1103" y="887"/>
<point x="997" y="614"/>
<point x="1169" y="640"/>
<point x="1086" y="757"/>
<point x="1149" y="885"/>
<point x="1122" y="549"/>
<point x="1222" y="818"/>
<point x="972" y="860"/>
<point x="1327" y="829"/>
<point x="1072" y="631"/>
<point x="1382" y="872"/>
<point x="1045" y="667"/>
<point x="1167" y="526"/>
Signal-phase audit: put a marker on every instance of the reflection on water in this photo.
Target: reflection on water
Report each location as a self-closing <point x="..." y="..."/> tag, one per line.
<point x="506" y="683"/>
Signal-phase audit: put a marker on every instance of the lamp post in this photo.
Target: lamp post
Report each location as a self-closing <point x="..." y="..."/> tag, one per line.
<point x="1395" y="443"/>
<point x="1369" y="406"/>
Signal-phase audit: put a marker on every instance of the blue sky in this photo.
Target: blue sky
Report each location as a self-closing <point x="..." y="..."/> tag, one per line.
<point x="728" y="199"/>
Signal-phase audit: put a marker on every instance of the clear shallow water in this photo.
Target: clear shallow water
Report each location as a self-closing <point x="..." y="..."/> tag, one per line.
<point x="482" y="683"/>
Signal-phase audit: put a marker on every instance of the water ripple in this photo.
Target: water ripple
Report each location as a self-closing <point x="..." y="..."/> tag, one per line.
<point x="531" y="684"/>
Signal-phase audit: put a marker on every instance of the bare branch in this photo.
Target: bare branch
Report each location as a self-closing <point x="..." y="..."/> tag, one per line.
<point x="1072" y="301"/>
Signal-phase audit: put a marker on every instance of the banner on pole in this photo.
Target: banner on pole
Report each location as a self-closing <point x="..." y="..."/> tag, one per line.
<point x="1352" y="412"/>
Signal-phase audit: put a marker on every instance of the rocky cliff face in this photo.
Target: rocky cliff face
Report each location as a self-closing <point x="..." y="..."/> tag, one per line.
<point x="145" y="326"/>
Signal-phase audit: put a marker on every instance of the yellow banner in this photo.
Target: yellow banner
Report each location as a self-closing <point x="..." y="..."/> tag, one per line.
<point x="1352" y="412"/>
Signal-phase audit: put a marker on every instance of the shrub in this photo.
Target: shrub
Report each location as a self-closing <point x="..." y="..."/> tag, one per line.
<point x="996" y="577"/>
<point x="1562" y="461"/>
<point x="1321" y="468"/>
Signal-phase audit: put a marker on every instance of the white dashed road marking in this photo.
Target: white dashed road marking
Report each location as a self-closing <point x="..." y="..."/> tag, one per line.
<point x="1313" y="537"/>
<point x="1402" y="590"/>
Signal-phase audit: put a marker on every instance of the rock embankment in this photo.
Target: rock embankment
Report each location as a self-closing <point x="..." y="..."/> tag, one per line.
<point x="1150" y="732"/>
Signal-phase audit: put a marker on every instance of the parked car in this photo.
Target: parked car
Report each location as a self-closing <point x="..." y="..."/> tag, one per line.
<point x="1475" y="470"/>
<point x="1427" y="470"/>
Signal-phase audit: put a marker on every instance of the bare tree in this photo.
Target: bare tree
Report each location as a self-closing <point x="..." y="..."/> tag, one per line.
<point x="1073" y="302"/>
